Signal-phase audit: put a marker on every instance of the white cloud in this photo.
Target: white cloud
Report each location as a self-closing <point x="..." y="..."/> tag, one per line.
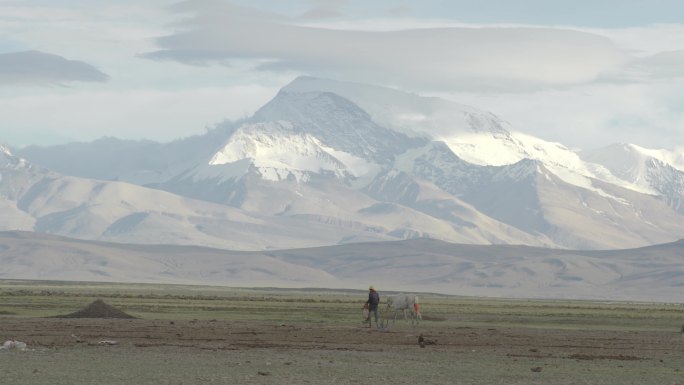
<point x="645" y="40"/>
<point x="438" y="58"/>
<point x="580" y="86"/>
<point x="664" y="65"/>
<point x="40" y="68"/>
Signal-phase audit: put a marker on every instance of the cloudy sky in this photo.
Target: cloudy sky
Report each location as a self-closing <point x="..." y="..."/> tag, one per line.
<point x="585" y="73"/>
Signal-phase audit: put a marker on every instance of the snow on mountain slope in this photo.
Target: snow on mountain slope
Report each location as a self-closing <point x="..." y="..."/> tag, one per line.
<point x="301" y="134"/>
<point x="532" y="199"/>
<point x="655" y="171"/>
<point x="404" y="112"/>
<point x="285" y="149"/>
<point x="475" y="136"/>
<point x="337" y="123"/>
<point x="278" y="151"/>
<point x="619" y="218"/>
<point x="674" y="158"/>
<point x="35" y="199"/>
<point x="626" y="161"/>
<point x="570" y="167"/>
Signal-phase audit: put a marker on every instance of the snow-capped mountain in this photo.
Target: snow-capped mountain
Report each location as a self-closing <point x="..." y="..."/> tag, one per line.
<point x="350" y="162"/>
<point x="336" y="122"/>
<point x="264" y="213"/>
<point x="297" y="134"/>
<point x="279" y="151"/>
<point x="475" y="136"/>
<point x="657" y="172"/>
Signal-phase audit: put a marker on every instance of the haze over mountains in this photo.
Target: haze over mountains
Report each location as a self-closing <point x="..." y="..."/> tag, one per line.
<point x="328" y="162"/>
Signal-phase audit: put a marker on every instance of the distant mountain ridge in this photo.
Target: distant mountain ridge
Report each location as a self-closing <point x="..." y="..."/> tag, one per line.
<point x="651" y="273"/>
<point x="344" y="162"/>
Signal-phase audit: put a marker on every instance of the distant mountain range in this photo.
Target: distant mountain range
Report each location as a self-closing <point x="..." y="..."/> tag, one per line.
<point x="653" y="273"/>
<point x="328" y="162"/>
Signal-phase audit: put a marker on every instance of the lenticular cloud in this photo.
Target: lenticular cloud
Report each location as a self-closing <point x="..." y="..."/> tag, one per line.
<point x="40" y="68"/>
<point x="494" y="58"/>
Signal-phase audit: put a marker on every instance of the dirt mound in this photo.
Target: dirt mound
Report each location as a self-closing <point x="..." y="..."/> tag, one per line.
<point x="98" y="309"/>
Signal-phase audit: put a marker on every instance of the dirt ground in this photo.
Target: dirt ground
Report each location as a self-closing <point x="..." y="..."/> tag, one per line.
<point x="73" y="351"/>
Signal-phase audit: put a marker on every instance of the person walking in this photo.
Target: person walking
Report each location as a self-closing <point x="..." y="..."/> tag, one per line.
<point x="372" y="305"/>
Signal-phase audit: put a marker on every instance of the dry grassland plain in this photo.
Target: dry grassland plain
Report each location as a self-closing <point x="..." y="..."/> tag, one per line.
<point x="219" y="335"/>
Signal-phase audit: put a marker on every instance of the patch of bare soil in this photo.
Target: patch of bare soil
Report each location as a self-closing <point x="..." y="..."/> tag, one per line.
<point x="618" y="357"/>
<point x="98" y="309"/>
<point x="262" y="352"/>
<point x="98" y="321"/>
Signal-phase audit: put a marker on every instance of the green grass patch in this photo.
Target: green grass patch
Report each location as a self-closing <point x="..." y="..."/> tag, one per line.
<point x="48" y="299"/>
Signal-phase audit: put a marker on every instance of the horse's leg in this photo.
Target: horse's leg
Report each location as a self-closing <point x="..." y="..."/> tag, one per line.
<point x="416" y="308"/>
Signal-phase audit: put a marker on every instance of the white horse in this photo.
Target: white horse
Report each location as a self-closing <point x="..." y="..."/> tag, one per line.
<point x="407" y="303"/>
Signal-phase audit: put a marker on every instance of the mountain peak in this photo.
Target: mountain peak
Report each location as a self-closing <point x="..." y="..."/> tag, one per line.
<point x="300" y="106"/>
<point x="356" y="92"/>
<point x="304" y="83"/>
<point x="409" y="113"/>
<point x="336" y="122"/>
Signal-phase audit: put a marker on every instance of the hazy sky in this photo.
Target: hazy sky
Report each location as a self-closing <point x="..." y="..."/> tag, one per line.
<point x="585" y="73"/>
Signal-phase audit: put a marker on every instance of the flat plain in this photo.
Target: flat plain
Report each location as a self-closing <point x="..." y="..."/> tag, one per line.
<point x="220" y="335"/>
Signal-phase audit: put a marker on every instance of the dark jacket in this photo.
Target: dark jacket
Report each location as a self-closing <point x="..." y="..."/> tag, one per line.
<point x="373" y="300"/>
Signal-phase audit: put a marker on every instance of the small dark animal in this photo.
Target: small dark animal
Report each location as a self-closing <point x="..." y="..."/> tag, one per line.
<point x="422" y="341"/>
<point x="682" y="331"/>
